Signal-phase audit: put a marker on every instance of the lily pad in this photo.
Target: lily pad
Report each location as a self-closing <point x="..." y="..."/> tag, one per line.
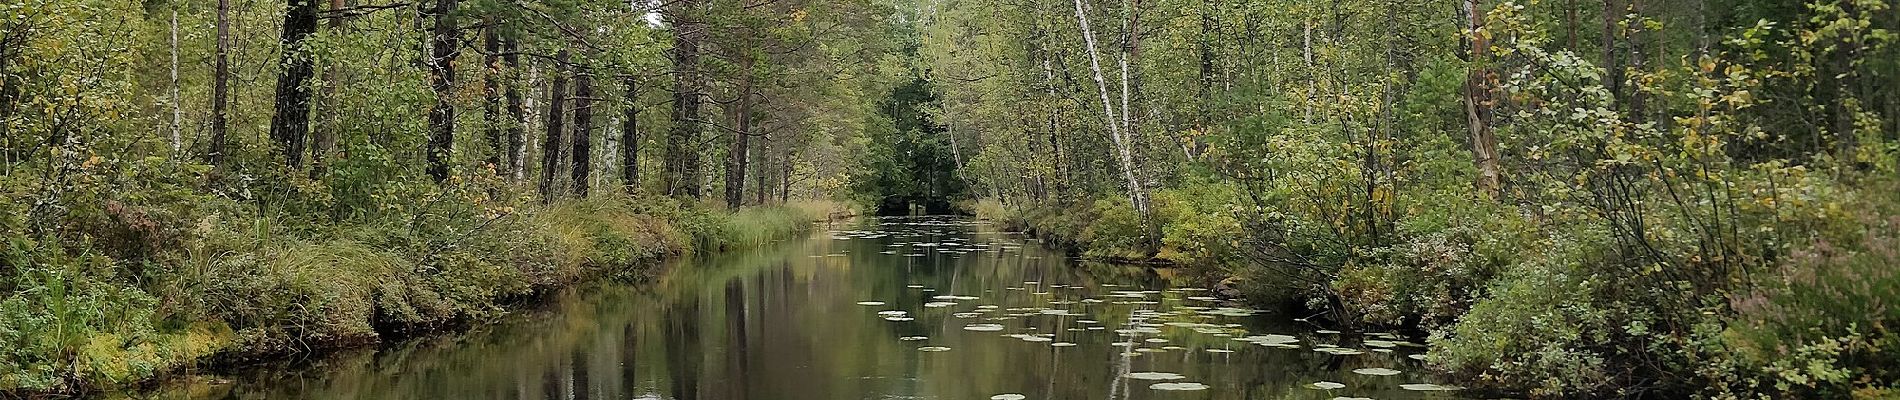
<point x="913" y="338"/>
<point x="983" y="327"/>
<point x="870" y="303"/>
<point x="1178" y="386"/>
<point x="1428" y="387"/>
<point x="1376" y="371"/>
<point x="1008" y="396"/>
<point x="1339" y="351"/>
<point x="1154" y="376"/>
<point x="933" y="348"/>
<point x="1324" y="385"/>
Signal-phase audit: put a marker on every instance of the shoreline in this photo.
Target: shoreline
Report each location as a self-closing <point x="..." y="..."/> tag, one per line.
<point x="211" y="344"/>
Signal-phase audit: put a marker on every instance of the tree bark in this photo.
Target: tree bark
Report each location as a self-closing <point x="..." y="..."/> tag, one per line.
<point x="1131" y="114"/>
<point x="1613" y="72"/>
<point x="583" y="133"/>
<point x="739" y="155"/>
<point x="551" y="144"/>
<point x="491" y="98"/>
<point x="1312" y="77"/>
<point x="178" y="140"/>
<point x="762" y="179"/>
<point x="630" y="139"/>
<point x="290" y="122"/>
<point x="1123" y="149"/>
<point x="220" y="86"/>
<point x="1478" y="103"/>
<point x="443" y="47"/>
<point x="682" y="154"/>
<point x="517" y="114"/>
<point x="1637" y="103"/>
<point x="325" y="135"/>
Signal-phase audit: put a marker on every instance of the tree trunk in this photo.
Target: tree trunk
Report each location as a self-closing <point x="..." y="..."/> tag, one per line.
<point x="443" y="47"/>
<point x="178" y="140"/>
<point x="1055" y="125"/>
<point x="762" y="179"/>
<point x="583" y="132"/>
<point x="785" y="180"/>
<point x="1123" y="149"/>
<point x="325" y="135"/>
<point x="290" y="122"/>
<point x="491" y="98"/>
<point x="682" y="153"/>
<point x="630" y="139"/>
<point x="517" y="115"/>
<point x="1638" y="107"/>
<point x="739" y="154"/>
<point x="220" y="86"/>
<point x="1478" y="103"/>
<point x="950" y="132"/>
<point x="1312" y="78"/>
<point x="1570" y="25"/>
<point x="1131" y="113"/>
<point x="1613" y="72"/>
<point x="551" y="144"/>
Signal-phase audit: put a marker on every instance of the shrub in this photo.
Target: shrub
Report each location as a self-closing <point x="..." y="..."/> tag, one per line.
<point x="1821" y="325"/>
<point x="1542" y="327"/>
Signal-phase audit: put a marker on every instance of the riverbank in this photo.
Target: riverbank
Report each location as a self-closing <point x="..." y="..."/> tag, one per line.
<point x="1513" y="302"/>
<point x="147" y="296"/>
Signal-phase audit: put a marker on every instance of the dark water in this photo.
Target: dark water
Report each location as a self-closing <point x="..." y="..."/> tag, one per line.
<point x="786" y="323"/>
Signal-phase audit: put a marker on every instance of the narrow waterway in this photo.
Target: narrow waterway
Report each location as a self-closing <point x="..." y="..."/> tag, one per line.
<point x="919" y="308"/>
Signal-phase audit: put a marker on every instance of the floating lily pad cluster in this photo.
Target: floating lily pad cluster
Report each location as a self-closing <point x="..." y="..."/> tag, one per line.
<point x="1150" y="321"/>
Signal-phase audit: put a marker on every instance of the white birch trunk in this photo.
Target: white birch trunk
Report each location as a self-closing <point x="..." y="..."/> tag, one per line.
<point x="177" y="111"/>
<point x="1123" y="149"/>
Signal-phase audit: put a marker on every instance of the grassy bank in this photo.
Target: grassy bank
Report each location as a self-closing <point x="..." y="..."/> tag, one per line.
<point x="136" y="288"/>
<point x="1549" y="307"/>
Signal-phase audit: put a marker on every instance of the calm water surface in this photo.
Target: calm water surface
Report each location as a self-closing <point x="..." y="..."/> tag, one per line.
<point x="926" y="308"/>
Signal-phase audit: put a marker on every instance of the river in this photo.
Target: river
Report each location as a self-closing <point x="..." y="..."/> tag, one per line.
<point x="914" y="308"/>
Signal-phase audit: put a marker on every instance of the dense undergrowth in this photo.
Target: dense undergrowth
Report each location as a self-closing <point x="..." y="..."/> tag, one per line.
<point x="1544" y="308"/>
<point x="1557" y="220"/>
<point x="131" y="278"/>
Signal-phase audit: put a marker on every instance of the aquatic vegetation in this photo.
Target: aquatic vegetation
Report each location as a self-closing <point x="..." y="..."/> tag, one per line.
<point x="1178" y="386"/>
<point x="1428" y="387"/>
<point x="1324" y="385"/>
<point x="1376" y="371"/>
<point x="1154" y="376"/>
<point x="983" y="327"/>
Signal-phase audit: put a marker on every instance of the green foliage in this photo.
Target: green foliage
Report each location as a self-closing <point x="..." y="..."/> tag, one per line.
<point x="128" y="255"/>
<point x="908" y="163"/>
<point x="1679" y="211"/>
<point x="1821" y="323"/>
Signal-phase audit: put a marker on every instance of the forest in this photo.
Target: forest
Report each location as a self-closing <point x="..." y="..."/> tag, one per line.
<point x="1562" y="198"/>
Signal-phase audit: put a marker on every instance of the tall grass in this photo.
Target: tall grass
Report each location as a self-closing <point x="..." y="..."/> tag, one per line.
<point x="242" y="287"/>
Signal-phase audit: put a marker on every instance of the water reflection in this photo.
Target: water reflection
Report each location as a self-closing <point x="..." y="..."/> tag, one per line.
<point x="785" y="323"/>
